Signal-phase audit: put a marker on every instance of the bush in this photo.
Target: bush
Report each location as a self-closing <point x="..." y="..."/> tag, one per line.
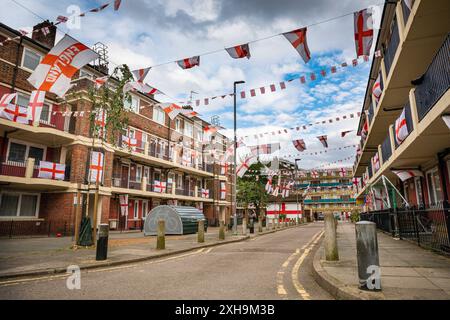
<point x="354" y="216"/>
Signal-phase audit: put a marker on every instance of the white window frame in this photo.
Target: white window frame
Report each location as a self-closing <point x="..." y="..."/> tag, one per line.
<point x="155" y="118"/>
<point x="50" y="107"/>
<point x="27" y="152"/>
<point x="417" y="185"/>
<point x="23" y="58"/>
<point x="139" y="169"/>
<point x="433" y="187"/>
<point x="145" y="203"/>
<point x="188" y="125"/>
<point x="178" y="125"/>
<point x="130" y="107"/>
<point x="136" y="210"/>
<point x="19" y="204"/>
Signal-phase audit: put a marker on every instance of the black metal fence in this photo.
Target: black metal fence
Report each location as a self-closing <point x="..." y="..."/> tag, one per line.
<point x="428" y="227"/>
<point x="52" y="228"/>
<point x="392" y="46"/>
<point x="386" y="149"/>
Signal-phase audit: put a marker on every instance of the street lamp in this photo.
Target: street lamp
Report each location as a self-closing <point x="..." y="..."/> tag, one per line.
<point x="296" y="189"/>
<point x="235" y="161"/>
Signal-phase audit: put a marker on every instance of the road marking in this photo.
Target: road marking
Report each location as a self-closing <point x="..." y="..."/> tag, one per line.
<point x="294" y="274"/>
<point x="208" y="251"/>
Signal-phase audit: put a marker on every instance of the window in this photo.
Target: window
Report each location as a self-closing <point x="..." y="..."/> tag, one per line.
<point x="30" y="59"/>
<point x="157" y="176"/>
<point x="178" y="126"/>
<point x="19" y="152"/>
<point x="136" y="209"/>
<point x="179" y="181"/>
<point x="188" y="129"/>
<point x="138" y="173"/>
<point x="23" y="101"/>
<point x="418" y="187"/>
<point x="144" y="208"/>
<point x="159" y="115"/>
<point x="133" y="104"/>
<point x="434" y="187"/>
<point x="19" y="205"/>
<point x="198" y="133"/>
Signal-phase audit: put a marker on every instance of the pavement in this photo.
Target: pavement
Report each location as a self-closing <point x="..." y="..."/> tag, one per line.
<point x="275" y="266"/>
<point x="40" y="256"/>
<point x="407" y="271"/>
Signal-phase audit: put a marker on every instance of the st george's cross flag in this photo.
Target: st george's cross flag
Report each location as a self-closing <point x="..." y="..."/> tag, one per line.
<point x="15" y="113"/>
<point x="244" y="166"/>
<point x="363" y="32"/>
<point x="189" y="62"/>
<point x="57" y="68"/>
<point x="298" y="40"/>
<point x="35" y="105"/>
<point x="376" y="162"/>
<point x="99" y="82"/>
<point x="401" y="128"/>
<point x="268" y="186"/>
<point x="50" y="170"/>
<point x="299" y="145"/>
<point x="129" y="143"/>
<point x="240" y="51"/>
<point x="342" y="172"/>
<point x="140" y="74"/>
<point x="407" y="174"/>
<point x="100" y="121"/>
<point x="205" y="193"/>
<point x="172" y="109"/>
<point x="123" y="200"/>
<point x="96" y="167"/>
<point x="323" y="140"/>
<point x="314" y="174"/>
<point x="7" y="99"/>
<point x="376" y="89"/>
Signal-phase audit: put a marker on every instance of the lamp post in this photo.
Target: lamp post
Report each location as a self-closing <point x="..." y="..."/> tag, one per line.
<point x="296" y="188"/>
<point x="235" y="160"/>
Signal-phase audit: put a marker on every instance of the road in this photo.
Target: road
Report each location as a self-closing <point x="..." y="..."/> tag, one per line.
<point x="274" y="266"/>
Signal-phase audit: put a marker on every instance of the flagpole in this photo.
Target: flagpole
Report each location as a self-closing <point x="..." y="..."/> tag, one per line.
<point x="234" y="204"/>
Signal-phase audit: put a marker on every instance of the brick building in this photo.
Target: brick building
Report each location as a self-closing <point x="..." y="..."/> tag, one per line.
<point x="30" y="205"/>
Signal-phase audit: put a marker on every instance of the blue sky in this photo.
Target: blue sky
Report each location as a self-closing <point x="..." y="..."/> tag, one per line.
<point x="149" y="32"/>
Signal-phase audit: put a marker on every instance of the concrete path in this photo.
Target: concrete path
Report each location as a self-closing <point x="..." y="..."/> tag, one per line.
<point x="407" y="271"/>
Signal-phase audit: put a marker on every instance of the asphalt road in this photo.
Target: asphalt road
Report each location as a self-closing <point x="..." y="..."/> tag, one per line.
<point x="274" y="266"/>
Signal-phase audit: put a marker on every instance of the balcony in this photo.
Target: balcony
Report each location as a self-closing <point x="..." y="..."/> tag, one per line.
<point x="392" y="46"/>
<point x="329" y="201"/>
<point x="335" y="184"/>
<point x="435" y="82"/>
<point x="386" y="149"/>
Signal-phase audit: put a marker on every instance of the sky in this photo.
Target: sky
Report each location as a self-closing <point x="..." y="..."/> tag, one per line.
<point x="147" y="33"/>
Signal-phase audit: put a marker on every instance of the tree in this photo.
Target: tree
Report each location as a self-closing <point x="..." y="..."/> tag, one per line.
<point x="251" y="192"/>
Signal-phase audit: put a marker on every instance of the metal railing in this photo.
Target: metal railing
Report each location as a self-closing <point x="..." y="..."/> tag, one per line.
<point x="392" y="46"/>
<point x="386" y="149"/>
<point x="18" y="228"/>
<point x="435" y="81"/>
<point x="426" y="226"/>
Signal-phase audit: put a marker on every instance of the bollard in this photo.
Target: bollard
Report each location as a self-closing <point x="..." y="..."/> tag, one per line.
<point x="222" y="231"/>
<point x="161" y="237"/>
<point x="102" y="242"/>
<point x="260" y="227"/>
<point x="331" y="250"/>
<point x="244" y="226"/>
<point x="201" y="231"/>
<point x="367" y="256"/>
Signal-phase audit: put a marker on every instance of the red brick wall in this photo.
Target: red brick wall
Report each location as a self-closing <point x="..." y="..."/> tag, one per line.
<point x="79" y="154"/>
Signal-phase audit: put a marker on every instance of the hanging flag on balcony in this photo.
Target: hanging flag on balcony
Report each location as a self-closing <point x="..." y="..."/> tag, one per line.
<point x="376" y="89"/>
<point x="286" y="189"/>
<point x="223" y="190"/>
<point x="99" y="82"/>
<point x="129" y="142"/>
<point x="57" y="68"/>
<point x="123" y="201"/>
<point x="15" y="113"/>
<point x="50" y="170"/>
<point x="376" y="162"/>
<point x="342" y="172"/>
<point x="268" y="186"/>
<point x="7" y="99"/>
<point x="35" y="105"/>
<point x="96" y="167"/>
<point x="140" y="74"/>
<point x="314" y="174"/>
<point x="205" y="193"/>
<point x="224" y="168"/>
<point x="189" y="62"/>
<point x="299" y="145"/>
<point x="171" y="109"/>
<point x="401" y="128"/>
<point x="365" y="129"/>
<point x="323" y="140"/>
<point x="276" y="191"/>
<point x="298" y="40"/>
<point x="363" y="32"/>
<point x="407" y="174"/>
<point x="240" y="51"/>
<point x="159" y="187"/>
<point x="244" y="166"/>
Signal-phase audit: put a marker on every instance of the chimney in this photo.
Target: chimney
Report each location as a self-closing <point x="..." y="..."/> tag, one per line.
<point x="45" y="37"/>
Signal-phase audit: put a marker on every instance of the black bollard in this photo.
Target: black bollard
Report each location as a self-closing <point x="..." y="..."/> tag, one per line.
<point x="102" y="242"/>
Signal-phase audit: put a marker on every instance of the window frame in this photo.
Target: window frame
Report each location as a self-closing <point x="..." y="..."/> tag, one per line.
<point x="160" y="111"/>
<point x="430" y="173"/>
<point x="136" y="212"/>
<point x="188" y="125"/>
<point x="26" y="49"/>
<point x="131" y="108"/>
<point x="50" y="107"/>
<point x="19" y="203"/>
<point x="27" y="152"/>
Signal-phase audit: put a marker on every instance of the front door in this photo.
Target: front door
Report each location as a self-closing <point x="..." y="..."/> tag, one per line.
<point x="124" y="177"/>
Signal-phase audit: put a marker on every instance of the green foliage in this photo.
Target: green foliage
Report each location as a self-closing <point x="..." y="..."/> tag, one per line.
<point x="251" y="192"/>
<point x="355" y="216"/>
<point x="110" y="97"/>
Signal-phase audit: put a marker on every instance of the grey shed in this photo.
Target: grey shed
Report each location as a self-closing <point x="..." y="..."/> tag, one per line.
<point x="179" y="220"/>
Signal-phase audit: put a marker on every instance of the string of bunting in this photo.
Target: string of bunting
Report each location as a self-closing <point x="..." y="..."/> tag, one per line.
<point x="318" y="152"/>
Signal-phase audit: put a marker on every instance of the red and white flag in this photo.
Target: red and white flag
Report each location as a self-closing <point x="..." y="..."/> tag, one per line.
<point x="172" y="109"/>
<point x="123" y="200"/>
<point x="223" y="190"/>
<point x="189" y="62"/>
<point x="298" y="40"/>
<point x="407" y="174"/>
<point x="100" y="121"/>
<point x="376" y="89"/>
<point x="401" y="128"/>
<point x="96" y="167"/>
<point x="268" y="186"/>
<point x="57" y="68"/>
<point x="314" y="174"/>
<point x="50" y="170"/>
<point x="365" y="129"/>
<point x="7" y="99"/>
<point x="128" y="142"/>
<point x="99" y="82"/>
<point x="363" y="25"/>
<point x="265" y="148"/>
<point x="140" y="74"/>
<point x="299" y="145"/>
<point x="35" y="105"/>
<point x="376" y="162"/>
<point x="159" y="186"/>
<point x="323" y="140"/>
<point x="342" y="172"/>
<point x="117" y="4"/>
<point x="205" y="193"/>
<point x="189" y="113"/>
<point x="15" y="113"/>
<point x="244" y="166"/>
<point x="240" y="51"/>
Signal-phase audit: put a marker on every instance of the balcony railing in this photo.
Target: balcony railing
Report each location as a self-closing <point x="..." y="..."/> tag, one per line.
<point x="392" y="46"/>
<point x="19" y="169"/>
<point x="435" y="82"/>
<point x="370" y="114"/>
<point x="335" y="184"/>
<point x="386" y="149"/>
<point x="329" y="201"/>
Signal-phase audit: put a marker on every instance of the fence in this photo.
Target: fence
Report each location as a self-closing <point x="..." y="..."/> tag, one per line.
<point x="428" y="227"/>
<point x="18" y="228"/>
